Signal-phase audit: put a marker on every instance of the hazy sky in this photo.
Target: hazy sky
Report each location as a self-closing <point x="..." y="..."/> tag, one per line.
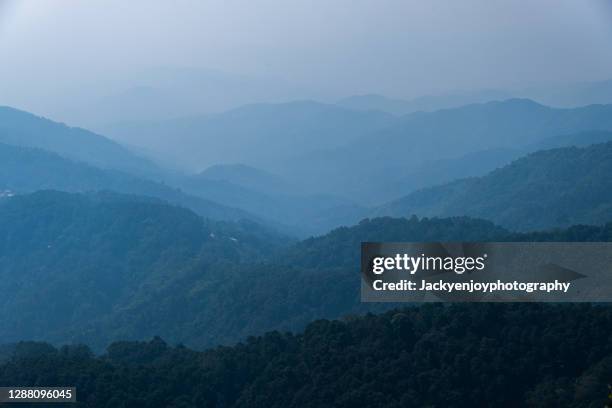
<point x="56" y="48"/>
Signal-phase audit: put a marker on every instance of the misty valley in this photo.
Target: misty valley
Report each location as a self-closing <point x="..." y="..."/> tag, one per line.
<point x="111" y="249"/>
<point x="305" y="204"/>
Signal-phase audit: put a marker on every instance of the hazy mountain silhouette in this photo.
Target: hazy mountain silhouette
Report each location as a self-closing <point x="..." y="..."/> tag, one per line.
<point x="364" y="169"/>
<point x="241" y="191"/>
<point x="247" y="177"/>
<point x="365" y="156"/>
<point x="571" y="95"/>
<point x="552" y="188"/>
<point x="220" y="192"/>
<point x="480" y="163"/>
<point x="424" y="103"/>
<point x="580" y="139"/>
<point x="163" y="93"/>
<point x="24" y="170"/>
<point x="252" y="135"/>
<point x="24" y="129"/>
<point x="300" y="214"/>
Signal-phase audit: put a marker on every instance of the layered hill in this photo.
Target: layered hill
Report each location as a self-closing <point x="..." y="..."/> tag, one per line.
<point x="222" y="192"/>
<point x="482" y="162"/>
<point x="427" y="103"/>
<point x="247" y="177"/>
<point x="70" y="260"/>
<point x="252" y="134"/>
<point x="301" y="215"/>
<point x="270" y="198"/>
<point x="551" y="188"/>
<point x="25" y="170"/>
<point x="369" y="168"/>
<point x="24" y="129"/>
<point x="123" y="267"/>
<point x="364" y="156"/>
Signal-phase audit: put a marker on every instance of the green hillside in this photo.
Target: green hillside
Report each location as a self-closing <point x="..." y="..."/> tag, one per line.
<point x="552" y="188"/>
<point x="124" y="267"/>
<point x="68" y="261"/>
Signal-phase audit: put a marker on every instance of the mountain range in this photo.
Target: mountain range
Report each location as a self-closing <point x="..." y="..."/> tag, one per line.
<point x="24" y="129"/>
<point x="570" y="95"/>
<point x="128" y="267"/>
<point x="319" y="190"/>
<point x="428" y="103"/>
<point x="26" y="170"/>
<point x="251" y="135"/>
<point x="41" y="154"/>
<point x="550" y="188"/>
<point x="100" y="246"/>
<point x="362" y="156"/>
<point x="368" y="169"/>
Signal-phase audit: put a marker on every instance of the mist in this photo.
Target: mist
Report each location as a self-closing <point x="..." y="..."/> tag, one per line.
<point x="71" y="60"/>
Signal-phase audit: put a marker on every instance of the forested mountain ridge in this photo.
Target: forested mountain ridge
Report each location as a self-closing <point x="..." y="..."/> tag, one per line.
<point x="24" y="129"/>
<point x="551" y="188"/>
<point x="313" y="279"/>
<point x="26" y="170"/>
<point x="467" y="355"/>
<point x="233" y="192"/>
<point x="480" y="163"/>
<point x="369" y="168"/>
<point x="124" y="267"/>
<point x="69" y="260"/>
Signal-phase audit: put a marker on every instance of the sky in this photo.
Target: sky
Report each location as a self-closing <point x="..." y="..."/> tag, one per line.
<point x="56" y="54"/>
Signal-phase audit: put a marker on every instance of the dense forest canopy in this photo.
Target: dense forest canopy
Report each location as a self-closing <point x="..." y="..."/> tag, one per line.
<point x="69" y="260"/>
<point x="503" y="355"/>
